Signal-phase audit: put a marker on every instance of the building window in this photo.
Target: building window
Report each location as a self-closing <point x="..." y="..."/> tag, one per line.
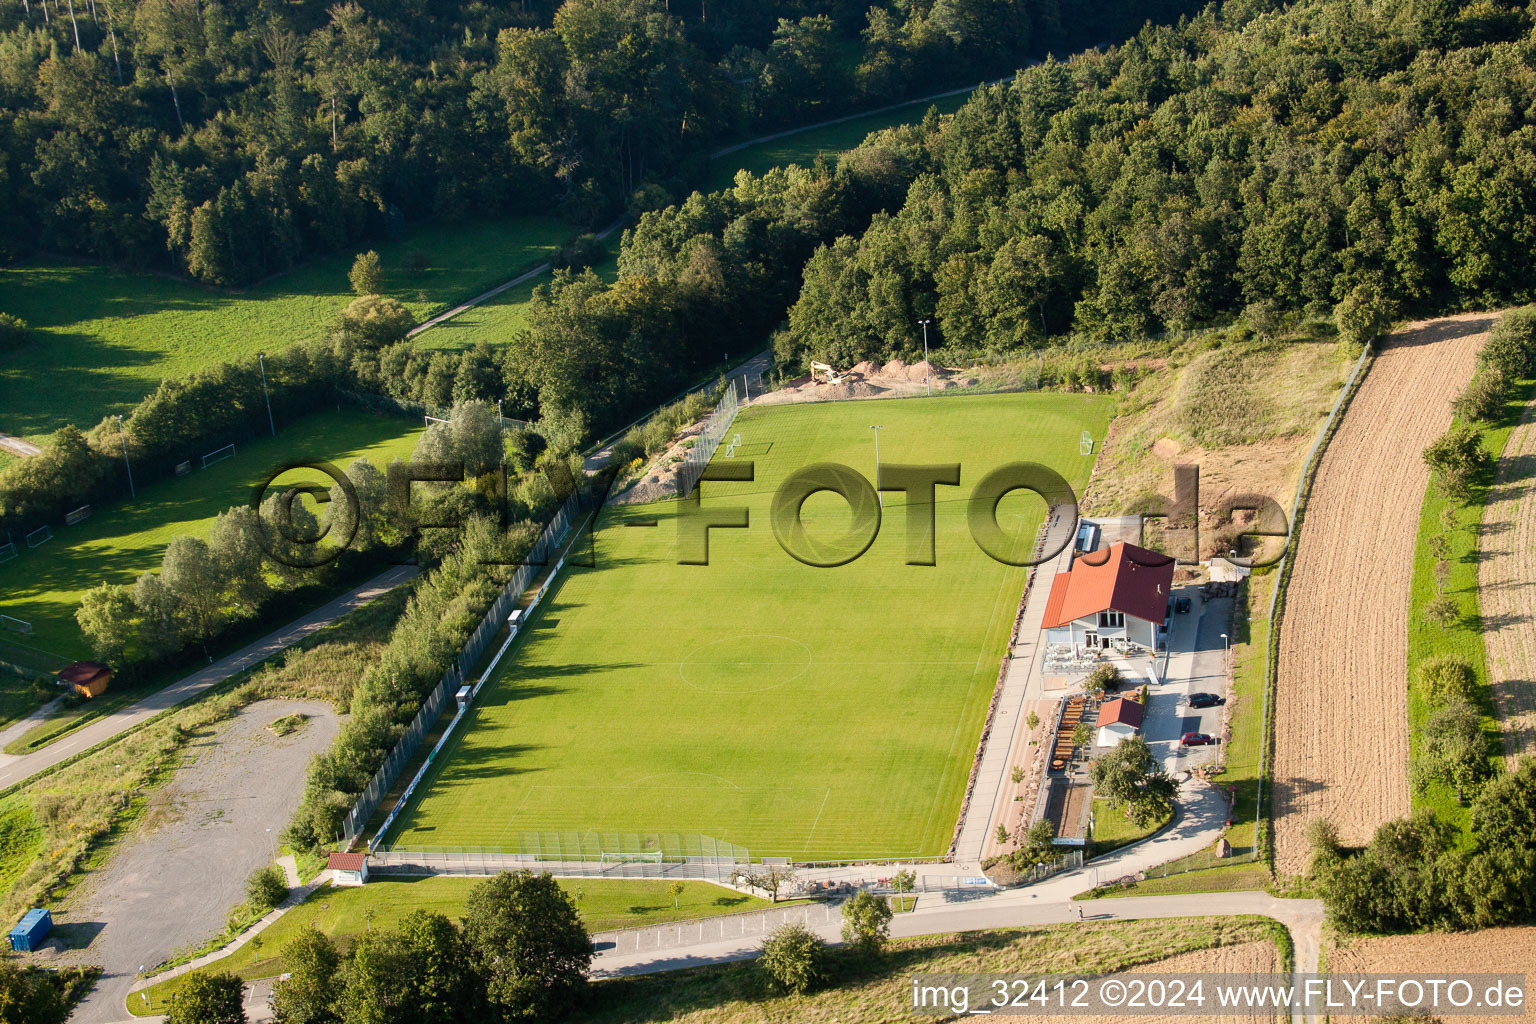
<point x="1111" y="620"/>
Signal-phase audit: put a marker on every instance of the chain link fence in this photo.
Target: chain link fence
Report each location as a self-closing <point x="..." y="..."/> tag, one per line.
<point x="495" y="618"/>
<point x="578" y="854"/>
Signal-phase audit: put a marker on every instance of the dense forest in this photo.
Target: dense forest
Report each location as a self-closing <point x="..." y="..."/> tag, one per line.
<point x="231" y="139"/>
<point x="1338" y="156"/>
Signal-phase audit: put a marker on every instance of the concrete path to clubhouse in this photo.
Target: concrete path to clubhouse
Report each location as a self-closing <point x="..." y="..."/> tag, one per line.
<point x="16" y="768"/>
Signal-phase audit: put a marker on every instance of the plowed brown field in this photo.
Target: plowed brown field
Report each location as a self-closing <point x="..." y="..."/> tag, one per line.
<point x="1341" y="714"/>
<point x="1248" y="958"/>
<point x="1495" y="951"/>
<point x="1507" y="588"/>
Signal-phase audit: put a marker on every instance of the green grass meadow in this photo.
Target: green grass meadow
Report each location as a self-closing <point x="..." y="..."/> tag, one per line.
<point x="819" y="713"/>
<point x="804" y="147"/>
<point x="106" y="337"/>
<point x="44" y="585"/>
<point x="1463" y="636"/>
<point x="604" y="904"/>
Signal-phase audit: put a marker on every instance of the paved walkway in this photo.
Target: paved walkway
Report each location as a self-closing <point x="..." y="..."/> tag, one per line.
<point x="989" y="801"/>
<point x="16" y="768"/>
<point x="17" y="729"/>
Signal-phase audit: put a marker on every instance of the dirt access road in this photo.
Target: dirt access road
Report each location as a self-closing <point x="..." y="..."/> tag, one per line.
<point x="174" y="881"/>
<point x="1341" y="711"/>
<point x="1506" y="584"/>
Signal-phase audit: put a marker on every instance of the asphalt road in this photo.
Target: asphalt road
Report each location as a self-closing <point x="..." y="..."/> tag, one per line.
<point x="16" y="768"/>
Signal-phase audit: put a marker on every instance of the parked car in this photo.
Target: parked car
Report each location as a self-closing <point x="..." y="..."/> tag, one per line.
<point x="1181" y="605"/>
<point x="1197" y="739"/>
<point x="1205" y="700"/>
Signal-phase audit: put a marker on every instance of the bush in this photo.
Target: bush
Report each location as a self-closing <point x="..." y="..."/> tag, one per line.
<point x="579" y="253"/>
<point x="208" y="999"/>
<point x="794" y="958"/>
<point x="266" y="888"/>
<point x="1457" y="458"/>
<point x="377" y="320"/>
<point x="1485" y="396"/>
<point x="1511" y="347"/>
<point x="1446" y="678"/>
<point x="13" y="332"/>
<point x="367" y="274"/>
<point x="1102" y="679"/>
<point x="867" y="921"/>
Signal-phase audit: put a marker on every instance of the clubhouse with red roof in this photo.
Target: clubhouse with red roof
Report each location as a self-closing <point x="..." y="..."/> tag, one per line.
<point x="1115" y="599"/>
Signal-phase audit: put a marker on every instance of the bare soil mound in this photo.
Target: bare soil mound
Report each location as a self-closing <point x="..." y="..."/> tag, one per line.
<point x="894" y="368"/>
<point x="1341" y="715"/>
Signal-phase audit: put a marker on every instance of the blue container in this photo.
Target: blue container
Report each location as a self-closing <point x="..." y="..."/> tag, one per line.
<point x="32" y="931"/>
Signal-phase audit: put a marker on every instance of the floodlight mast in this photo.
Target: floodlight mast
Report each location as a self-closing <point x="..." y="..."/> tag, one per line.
<point x="927" y="367"/>
<point x="881" y="497"/>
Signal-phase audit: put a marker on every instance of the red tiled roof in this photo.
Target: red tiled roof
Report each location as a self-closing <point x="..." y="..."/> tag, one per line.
<point x="82" y="671"/>
<point x="346" y="861"/>
<point x="1122" y="711"/>
<point x="1129" y="579"/>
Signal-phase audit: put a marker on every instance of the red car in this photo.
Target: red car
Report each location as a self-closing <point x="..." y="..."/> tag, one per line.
<point x="1197" y="739"/>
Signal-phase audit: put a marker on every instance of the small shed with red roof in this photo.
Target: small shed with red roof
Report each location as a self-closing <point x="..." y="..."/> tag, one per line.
<point x="1119" y="720"/>
<point x="87" y="678"/>
<point x="347" y="868"/>
<point x="1116" y="598"/>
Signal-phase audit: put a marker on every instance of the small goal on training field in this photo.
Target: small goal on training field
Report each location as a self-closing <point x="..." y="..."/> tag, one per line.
<point x="78" y="516"/>
<point x="38" y="537"/>
<point x="8" y="549"/>
<point x="227" y="452"/>
<point x="730" y="451"/>
<point x="427" y="421"/>
<point x="14" y="624"/>
<point x="1085" y="444"/>
<point x="183" y="468"/>
<point x="634" y="857"/>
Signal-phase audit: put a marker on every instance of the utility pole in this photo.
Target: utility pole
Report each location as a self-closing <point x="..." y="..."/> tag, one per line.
<point x="128" y="465"/>
<point x="881" y="497"/>
<point x="927" y="368"/>
<point x="261" y="360"/>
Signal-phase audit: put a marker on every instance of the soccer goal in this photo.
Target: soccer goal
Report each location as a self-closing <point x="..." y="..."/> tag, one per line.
<point x="38" y="537"/>
<point x="730" y="451"/>
<point x="183" y="468"/>
<point x="78" y="516"/>
<point x="1085" y="444"/>
<point x="637" y="857"/>
<point x="8" y="550"/>
<point x="14" y="624"/>
<point x="227" y="452"/>
<point x="427" y="421"/>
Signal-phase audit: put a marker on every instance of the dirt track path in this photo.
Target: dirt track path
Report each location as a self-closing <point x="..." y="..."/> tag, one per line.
<point x="1506" y="581"/>
<point x="1341" y="714"/>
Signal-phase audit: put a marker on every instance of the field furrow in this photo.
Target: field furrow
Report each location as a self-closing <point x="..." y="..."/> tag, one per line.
<point x="1506" y="576"/>
<point x="1341" y="716"/>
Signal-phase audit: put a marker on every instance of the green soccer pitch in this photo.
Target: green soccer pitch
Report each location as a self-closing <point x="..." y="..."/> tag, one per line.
<point x="797" y="711"/>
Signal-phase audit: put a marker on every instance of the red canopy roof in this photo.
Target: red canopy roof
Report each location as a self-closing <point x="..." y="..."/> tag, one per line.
<point x="346" y="861"/>
<point x="82" y="671"/>
<point x="1125" y="578"/>
<point x="1122" y="711"/>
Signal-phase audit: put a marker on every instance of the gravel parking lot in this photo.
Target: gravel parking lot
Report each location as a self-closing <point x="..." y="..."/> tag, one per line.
<point x="175" y="880"/>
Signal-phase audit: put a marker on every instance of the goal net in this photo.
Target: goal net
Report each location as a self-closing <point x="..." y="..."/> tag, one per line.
<point x="41" y="535"/>
<point x="183" y="468"/>
<point x="227" y="452"/>
<point x="637" y="857"/>
<point x="14" y="624"/>
<point x="1085" y="444"/>
<point x="79" y="515"/>
<point x="8" y="551"/>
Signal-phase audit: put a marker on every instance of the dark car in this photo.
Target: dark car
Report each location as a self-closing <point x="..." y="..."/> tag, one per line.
<point x="1205" y="700"/>
<point x="1181" y="605"/>
<point x="1197" y="739"/>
